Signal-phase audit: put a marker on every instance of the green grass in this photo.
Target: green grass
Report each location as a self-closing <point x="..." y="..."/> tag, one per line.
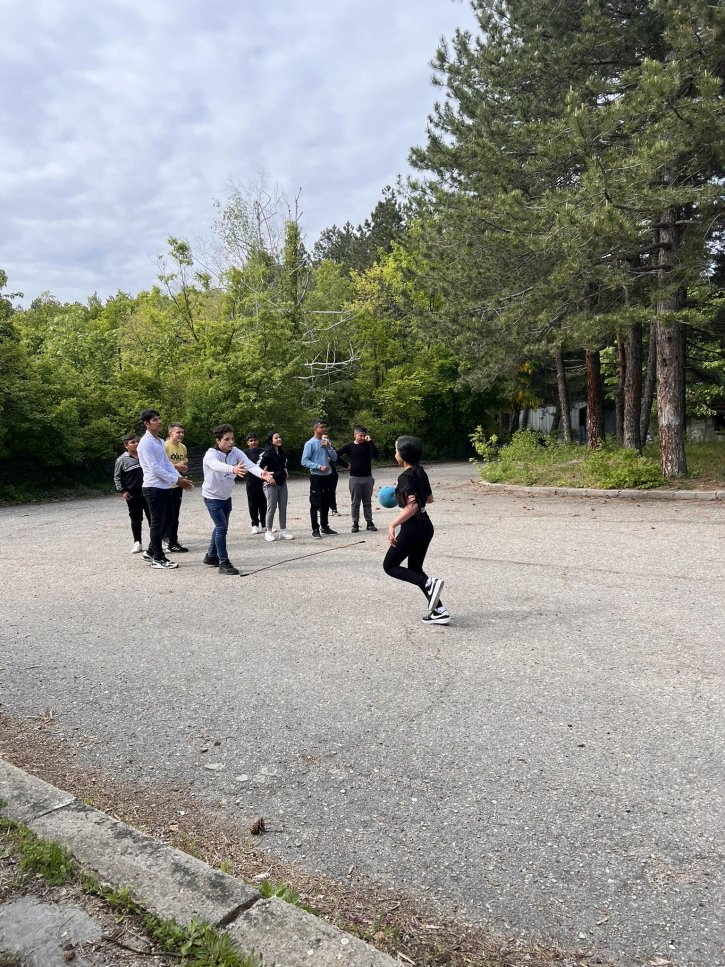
<point x="529" y="462"/>
<point x="197" y="945"/>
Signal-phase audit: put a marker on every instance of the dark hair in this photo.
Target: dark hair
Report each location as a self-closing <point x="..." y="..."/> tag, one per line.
<point x="173" y="426"/>
<point x="410" y="448"/>
<point x="252" y="436"/>
<point x="129" y="437"/>
<point x="268" y="441"/>
<point x="148" y="415"/>
<point x="318" y="423"/>
<point x="222" y="430"/>
<point x="359" y="429"/>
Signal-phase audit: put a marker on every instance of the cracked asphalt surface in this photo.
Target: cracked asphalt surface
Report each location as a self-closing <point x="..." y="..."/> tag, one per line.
<point x="549" y="765"/>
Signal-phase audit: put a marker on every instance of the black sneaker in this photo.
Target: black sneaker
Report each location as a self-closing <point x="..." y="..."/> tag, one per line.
<point x="177" y="549"/>
<point x="438" y="617"/>
<point x="334" y="513"/>
<point x="355" y="529"/>
<point x="164" y="565"/>
<point x="316" y="532"/>
<point x="371" y="526"/>
<point x="147" y="556"/>
<point x="433" y="588"/>
<point x="328" y="531"/>
<point x="211" y="559"/>
<point x="228" y="568"/>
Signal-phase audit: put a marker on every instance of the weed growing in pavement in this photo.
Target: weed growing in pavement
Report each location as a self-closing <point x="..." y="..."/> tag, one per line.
<point x="226" y="866"/>
<point x="45" y="859"/>
<point x="10" y="960"/>
<point x="199" y="944"/>
<point x="283" y="891"/>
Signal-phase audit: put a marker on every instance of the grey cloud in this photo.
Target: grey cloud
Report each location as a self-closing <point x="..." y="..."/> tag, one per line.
<point x="121" y="121"/>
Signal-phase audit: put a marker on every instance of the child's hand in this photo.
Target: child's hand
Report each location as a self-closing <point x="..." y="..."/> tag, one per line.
<point x="391" y="536"/>
<point x="126" y="495"/>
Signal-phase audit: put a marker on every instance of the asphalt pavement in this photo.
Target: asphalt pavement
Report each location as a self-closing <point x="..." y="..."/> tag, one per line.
<point x="548" y="765"/>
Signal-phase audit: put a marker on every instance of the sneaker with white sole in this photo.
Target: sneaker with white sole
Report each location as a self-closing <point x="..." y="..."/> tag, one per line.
<point x="165" y="546"/>
<point x="164" y="565"/>
<point x="268" y="536"/>
<point x="147" y="556"/>
<point x="439" y="616"/>
<point x="137" y="547"/>
<point x="286" y="536"/>
<point x="433" y="588"/>
<point x="255" y="529"/>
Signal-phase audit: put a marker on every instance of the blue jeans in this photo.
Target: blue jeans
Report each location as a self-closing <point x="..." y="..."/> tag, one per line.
<point x="219" y="511"/>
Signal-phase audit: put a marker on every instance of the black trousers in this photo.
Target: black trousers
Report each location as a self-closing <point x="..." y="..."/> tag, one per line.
<point x="257" y="503"/>
<point x="137" y="507"/>
<point x="171" y="530"/>
<point x="320" y="503"/>
<point x="333" y="489"/>
<point x="412" y="542"/>
<point x="159" y="501"/>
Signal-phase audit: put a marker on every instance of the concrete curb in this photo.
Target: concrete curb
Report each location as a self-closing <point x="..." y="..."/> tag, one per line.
<point x="589" y="493"/>
<point x="170" y="883"/>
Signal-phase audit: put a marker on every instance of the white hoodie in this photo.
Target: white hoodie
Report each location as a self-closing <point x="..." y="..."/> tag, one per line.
<point x="219" y="476"/>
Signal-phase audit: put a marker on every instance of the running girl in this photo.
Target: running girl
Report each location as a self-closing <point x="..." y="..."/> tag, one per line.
<point x="416" y="530"/>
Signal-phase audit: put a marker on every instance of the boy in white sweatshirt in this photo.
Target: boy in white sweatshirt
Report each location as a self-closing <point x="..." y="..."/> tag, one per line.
<point x="223" y="463"/>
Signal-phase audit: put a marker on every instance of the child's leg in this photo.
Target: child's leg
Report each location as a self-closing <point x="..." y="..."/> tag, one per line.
<point x="272" y="496"/>
<point x="420" y="549"/>
<point x="282" y="504"/>
<point x="407" y="545"/>
<point x="135" y="512"/>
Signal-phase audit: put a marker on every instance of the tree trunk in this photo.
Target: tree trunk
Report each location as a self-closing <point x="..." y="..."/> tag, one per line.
<point x="595" y="402"/>
<point x="619" y="392"/>
<point x="557" y="419"/>
<point x="514" y="421"/>
<point x="670" y="359"/>
<point x="564" y="410"/>
<point x="648" y="394"/>
<point x="632" y="438"/>
<point x="524" y="424"/>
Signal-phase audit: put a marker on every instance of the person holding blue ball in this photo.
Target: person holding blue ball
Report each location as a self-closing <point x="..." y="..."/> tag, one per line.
<point x="413" y="493"/>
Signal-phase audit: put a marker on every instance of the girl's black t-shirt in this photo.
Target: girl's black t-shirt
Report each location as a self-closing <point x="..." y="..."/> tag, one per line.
<point x="415" y="481"/>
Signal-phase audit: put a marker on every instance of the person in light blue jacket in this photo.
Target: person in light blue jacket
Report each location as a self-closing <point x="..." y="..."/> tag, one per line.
<point x="317" y="456"/>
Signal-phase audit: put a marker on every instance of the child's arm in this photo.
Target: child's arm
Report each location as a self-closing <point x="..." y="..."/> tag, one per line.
<point x="410" y="510"/>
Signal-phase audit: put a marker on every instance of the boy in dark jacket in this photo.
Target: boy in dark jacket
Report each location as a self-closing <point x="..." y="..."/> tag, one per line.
<point x="128" y="477"/>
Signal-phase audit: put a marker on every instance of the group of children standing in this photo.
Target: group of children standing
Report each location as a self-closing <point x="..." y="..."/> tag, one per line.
<point x="152" y="474"/>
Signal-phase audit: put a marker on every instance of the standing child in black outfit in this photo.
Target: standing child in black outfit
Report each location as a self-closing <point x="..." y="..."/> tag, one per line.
<point x="128" y="477"/>
<point x="416" y="530"/>
<point x="256" y="499"/>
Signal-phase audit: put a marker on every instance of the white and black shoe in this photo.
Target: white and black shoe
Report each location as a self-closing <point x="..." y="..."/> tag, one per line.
<point x="433" y="588"/>
<point x="164" y="565"/>
<point x="148" y="557"/>
<point x="256" y="529"/>
<point x="137" y="548"/>
<point x="439" y="616"/>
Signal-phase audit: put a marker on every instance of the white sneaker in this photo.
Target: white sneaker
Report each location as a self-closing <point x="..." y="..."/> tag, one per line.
<point x="286" y="536"/>
<point x="137" y="547"/>
<point x="255" y="529"/>
<point x="438" y="617"/>
<point x="268" y="536"/>
<point x="165" y="546"/>
<point x="164" y="565"/>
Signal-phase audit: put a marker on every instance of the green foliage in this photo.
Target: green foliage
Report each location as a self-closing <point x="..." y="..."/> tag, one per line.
<point x="615" y="468"/>
<point x="531" y="459"/>
<point x="40" y="857"/>
<point x="283" y="891"/>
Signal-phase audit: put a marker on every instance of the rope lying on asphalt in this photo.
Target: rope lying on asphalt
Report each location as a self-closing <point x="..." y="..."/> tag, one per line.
<point x="301" y="557"/>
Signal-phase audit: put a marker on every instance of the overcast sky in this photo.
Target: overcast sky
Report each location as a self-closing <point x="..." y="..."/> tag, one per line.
<point x="122" y="120"/>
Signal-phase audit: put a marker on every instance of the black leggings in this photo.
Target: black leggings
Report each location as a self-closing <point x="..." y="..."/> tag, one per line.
<point x="412" y="542"/>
